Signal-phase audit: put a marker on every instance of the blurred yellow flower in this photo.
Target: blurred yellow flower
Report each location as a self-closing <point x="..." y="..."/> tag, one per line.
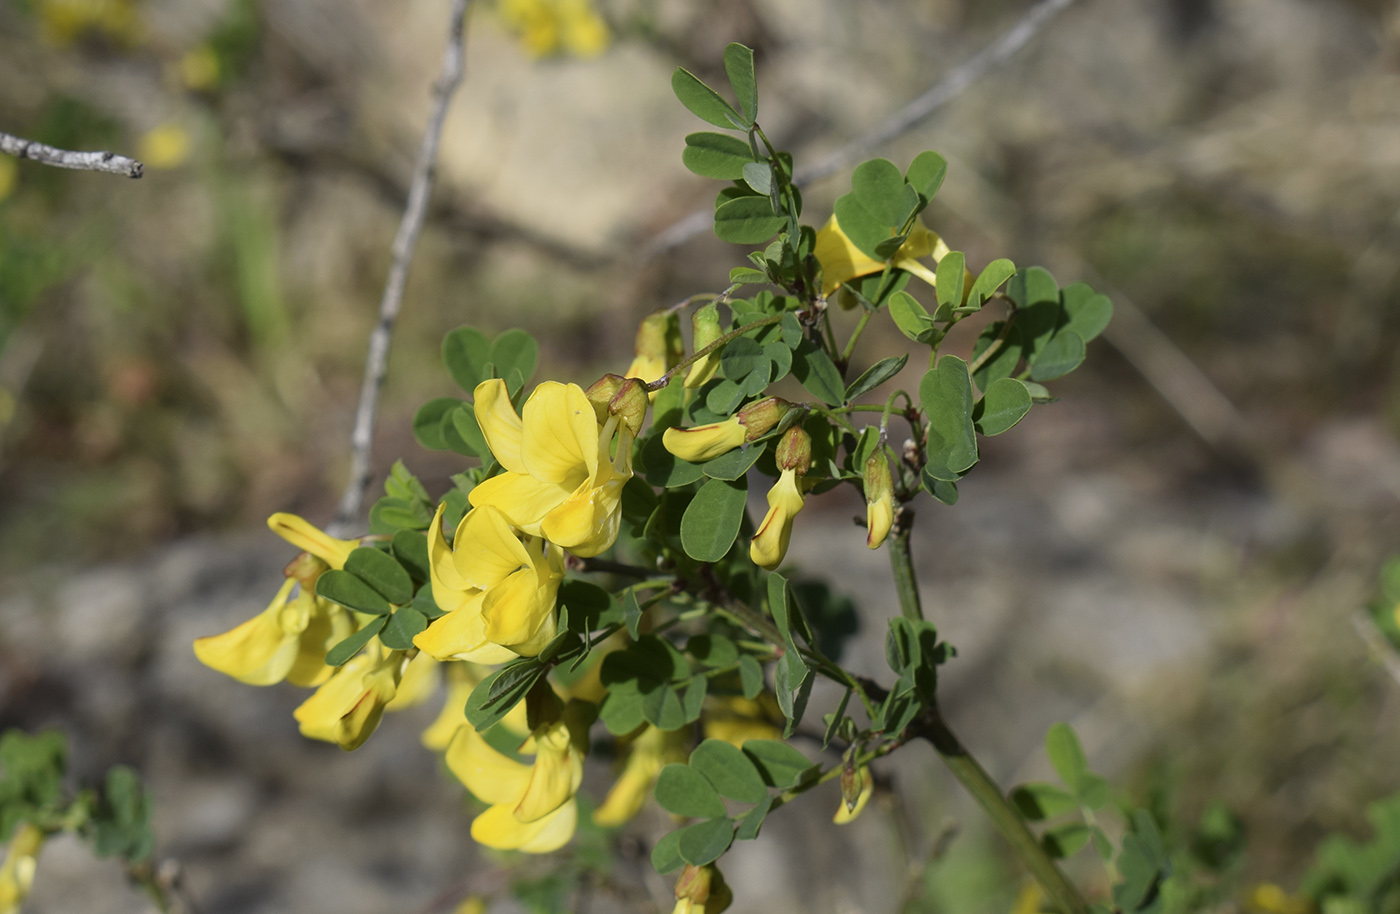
<point x="61" y="22"/>
<point x="842" y="261"/>
<point x="9" y="177"/>
<point x="165" y="146"/>
<point x="348" y="707"/>
<point x="1272" y="899"/>
<point x="497" y="590"/>
<point x="420" y="680"/>
<point x="308" y="538"/>
<point x="560" y="482"/>
<point x="736" y="719"/>
<point x="547" y="27"/>
<point x="533" y="807"/>
<point x="651" y="751"/>
<point x="462" y="678"/>
<point x="17" y="872"/>
<point x="199" y="68"/>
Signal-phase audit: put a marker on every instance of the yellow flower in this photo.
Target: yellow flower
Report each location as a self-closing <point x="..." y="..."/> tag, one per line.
<point x="701" y="890"/>
<point x="736" y="719"/>
<point x="560" y="482"/>
<point x="9" y="176"/>
<point x="288" y="640"/>
<point x="347" y="708"/>
<point x="770" y="544"/>
<point x="462" y="679"/>
<point x="310" y="539"/>
<point x="546" y="27"/>
<point x="164" y="146"/>
<point x="498" y="591"/>
<point x="705" y="442"/>
<point x="420" y="680"/>
<point x="856" y="788"/>
<point x="533" y="807"/>
<point x="842" y="261"/>
<point x="1271" y="899"/>
<point x="17" y="872"/>
<point x="651" y="751"/>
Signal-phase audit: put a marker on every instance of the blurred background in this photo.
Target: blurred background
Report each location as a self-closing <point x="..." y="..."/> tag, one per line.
<point x="1172" y="557"/>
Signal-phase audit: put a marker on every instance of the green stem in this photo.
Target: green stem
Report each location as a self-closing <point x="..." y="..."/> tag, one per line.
<point x="717" y="344"/>
<point x="855" y="336"/>
<point x="1004" y="816"/>
<point x="902" y="564"/>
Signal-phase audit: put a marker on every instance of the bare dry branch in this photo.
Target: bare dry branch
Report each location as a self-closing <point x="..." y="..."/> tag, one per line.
<point x="376" y="362"/>
<point x="953" y="84"/>
<point x="108" y="162"/>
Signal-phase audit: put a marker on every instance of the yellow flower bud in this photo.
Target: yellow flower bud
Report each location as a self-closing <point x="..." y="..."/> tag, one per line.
<point x="705" y="442"/>
<point x="701" y="890"/>
<point x="770" y="544"/>
<point x="856" y="787"/>
<point x="659" y="346"/>
<point x="705" y="329"/>
<point x="614" y="395"/>
<point x="309" y="538"/>
<point x="795" y="451"/>
<point x="879" y="499"/>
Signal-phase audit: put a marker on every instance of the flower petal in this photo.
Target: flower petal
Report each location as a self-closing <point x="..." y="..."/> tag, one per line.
<point x="523" y="499"/>
<point x="486" y="550"/>
<point x="587" y="523"/>
<point x="770" y="543"/>
<point x="489" y="775"/>
<point x="513" y="610"/>
<point x="307" y="537"/>
<point x="498" y="828"/>
<point x="499" y="423"/>
<point x="560" y="444"/>
<point x="257" y="652"/>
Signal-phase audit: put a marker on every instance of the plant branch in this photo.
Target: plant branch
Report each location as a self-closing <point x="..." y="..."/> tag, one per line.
<point x="931" y="726"/>
<point x="902" y="564"/>
<point x="108" y="162"/>
<point x="376" y="362"/>
<point x="953" y="84"/>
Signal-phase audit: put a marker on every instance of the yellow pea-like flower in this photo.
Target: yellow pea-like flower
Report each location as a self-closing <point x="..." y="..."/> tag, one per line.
<point x="288" y="640"/>
<point x="17" y="872"/>
<point x="651" y="751"/>
<point x="346" y="709"/>
<point x="842" y="261"/>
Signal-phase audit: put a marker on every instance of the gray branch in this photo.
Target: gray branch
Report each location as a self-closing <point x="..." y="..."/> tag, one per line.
<point x="109" y="162"/>
<point x="410" y="227"/>
<point x="952" y="85"/>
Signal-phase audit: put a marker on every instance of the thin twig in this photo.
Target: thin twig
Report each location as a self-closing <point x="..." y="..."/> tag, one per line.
<point x="109" y="162"/>
<point x="1379" y="648"/>
<point x="953" y="84"/>
<point x="377" y="360"/>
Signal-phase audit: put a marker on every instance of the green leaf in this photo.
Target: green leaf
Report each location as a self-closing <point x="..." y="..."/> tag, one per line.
<point x="403" y="626"/>
<point x="631" y="614"/>
<point x="351" y="645"/>
<point x="122" y="818"/>
<point x="666" y="854"/>
<point x="693" y="698"/>
<point x="759" y="176"/>
<point x="1088" y="312"/>
<point x="1142" y="863"/>
<point x="731" y="772"/>
<point x="949" y="278"/>
<point x="515" y="351"/>
<point x="465" y="352"/>
<point x="464" y="423"/>
<point x="946" y="395"/>
<point x="779" y="764"/>
<point x="738" y="66"/>
<point x="874" y="376"/>
<point x="944" y="490"/>
<point x="712" y="520"/>
<point x="1065" y="840"/>
<point x="750" y="677"/>
<point x="815" y="371"/>
<point x="792" y="330"/>
<point x="792" y="685"/>
<point x="427" y="422"/>
<point x="752" y="820"/>
<point x="1062" y="354"/>
<point x="879" y="187"/>
<point x="1006" y="403"/>
<point x="498" y="694"/>
<point x="733" y="465"/>
<point x="381" y="571"/>
<point x="744" y="276"/>
<point x="995" y="273"/>
<point x="1042" y="801"/>
<point x="423" y="602"/>
<point x="1066" y="755"/>
<point x="590" y="606"/>
<point x="713" y="651"/>
<point x="833" y="720"/>
<point x="411" y="549"/>
<point x="747" y="220"/>
<point x="865" y="230"/>
<point x="740" y="357"/>
<point x="910" y="317"/>
<point x="1093" y="791"/>
<point x="349" y="591"/>
<point x="684" y="791"/>
<point x="926" y="173"/>
<point x="704" y="842"/>
<point x="704" y="102"/>
<point x="725" y="397"/>
<point x="780" y="356"/>
<point x="714" y="155"/>
<point x="1002" y="362"/>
